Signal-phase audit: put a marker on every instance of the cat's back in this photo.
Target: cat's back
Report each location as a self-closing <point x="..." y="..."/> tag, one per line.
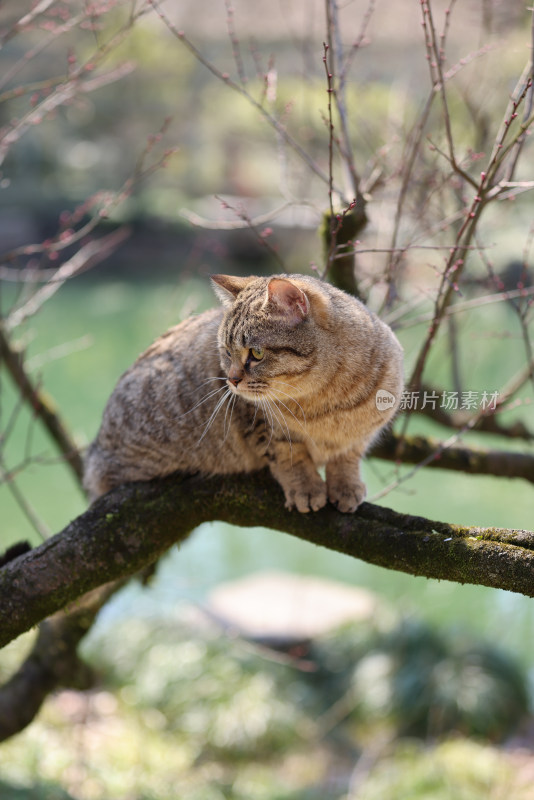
<point x="196" y="336"/>
<point x="150" y="416"/>
<point x="173" y="360"/>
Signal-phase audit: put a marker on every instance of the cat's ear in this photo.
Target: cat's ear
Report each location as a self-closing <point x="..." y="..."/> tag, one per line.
<point x="289" y="300"/>
<point x="227" y="287"/>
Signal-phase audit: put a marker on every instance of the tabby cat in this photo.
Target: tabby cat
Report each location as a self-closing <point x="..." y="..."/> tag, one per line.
<point x="290" y="373"/>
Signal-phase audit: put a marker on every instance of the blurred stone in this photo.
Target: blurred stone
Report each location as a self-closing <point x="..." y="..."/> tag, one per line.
<point x="278" y="605"/>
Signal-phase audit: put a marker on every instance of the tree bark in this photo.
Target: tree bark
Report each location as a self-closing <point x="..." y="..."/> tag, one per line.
<point x="430" y="452"/>
<point x="52" y="662"/>
<point x="132" y="526"/>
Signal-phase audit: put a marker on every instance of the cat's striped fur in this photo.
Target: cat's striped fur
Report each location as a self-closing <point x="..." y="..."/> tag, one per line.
<point x="285" y="375"/>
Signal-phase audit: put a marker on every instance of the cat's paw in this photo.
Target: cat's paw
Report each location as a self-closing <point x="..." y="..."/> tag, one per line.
<point x="347" y="497"/>
<point x="311" y="497"/>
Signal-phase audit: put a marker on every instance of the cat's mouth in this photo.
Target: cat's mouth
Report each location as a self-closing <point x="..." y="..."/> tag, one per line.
<point x="246" y="392"/>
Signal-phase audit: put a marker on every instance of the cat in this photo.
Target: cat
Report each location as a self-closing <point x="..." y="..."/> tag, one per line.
<point x="290" y="373"/>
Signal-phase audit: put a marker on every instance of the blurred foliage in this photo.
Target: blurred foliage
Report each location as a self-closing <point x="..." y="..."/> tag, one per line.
<point x="454" y="770"/>
<point x="41" y="792"/>
<point x="422" y="682"/>
<point x="227" y="697"/>
<point x="431" y="685"/>
<point x="219" y="696"/>
<point x="185" y="710"/>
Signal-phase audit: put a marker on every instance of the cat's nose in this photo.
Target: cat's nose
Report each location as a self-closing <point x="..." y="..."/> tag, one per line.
<point x="235" y="377"/>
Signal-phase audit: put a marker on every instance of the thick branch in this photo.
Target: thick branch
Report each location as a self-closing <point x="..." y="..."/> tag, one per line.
<point x="459" y="420"/>
<point x="430" y="452"/>
<point x="339" y="232"/>
<point x="132" y="526"/>
<point x="52" y="662"/>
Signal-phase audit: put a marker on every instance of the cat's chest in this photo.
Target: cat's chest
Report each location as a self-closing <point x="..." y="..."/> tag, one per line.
<point x="327" y="431"/>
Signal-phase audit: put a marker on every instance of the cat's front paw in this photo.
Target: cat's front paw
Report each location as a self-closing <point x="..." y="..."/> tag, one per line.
<point x="311" y="497"/>
<point x="346" y="497"/>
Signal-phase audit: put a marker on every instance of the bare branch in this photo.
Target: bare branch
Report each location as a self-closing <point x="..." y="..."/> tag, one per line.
<point x="26" y="20"/>
<point x="234" y="224"/>
<point x="262" y="111"/>
<point x="42" y="405"/>
<point x="460" y="420"/>
<point x="86" y="257"/>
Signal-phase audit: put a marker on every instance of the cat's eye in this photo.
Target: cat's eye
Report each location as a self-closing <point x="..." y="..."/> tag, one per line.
<point x="257" y="353"/>
<point x="228" y="354"/>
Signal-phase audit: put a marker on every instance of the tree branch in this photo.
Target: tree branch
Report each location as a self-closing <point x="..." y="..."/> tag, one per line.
<point x="132" y="526"/>
<point x="42" y="405"/>
<point x="471" y="460"/>
<point x="52" y="662"/>
<point x="460" y="420"/>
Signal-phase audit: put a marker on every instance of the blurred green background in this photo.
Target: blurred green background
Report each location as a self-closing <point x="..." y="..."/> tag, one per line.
<point x="96" y="324"/>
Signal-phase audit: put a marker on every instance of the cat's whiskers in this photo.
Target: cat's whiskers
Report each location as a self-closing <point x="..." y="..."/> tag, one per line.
<point x="214" y="413"/>
<point x="215" y="378"/>
<point x="208" y="380"/>
<point x="280" y="417"/>
<point x="225" y="420"/>
<point x="281" y="403"/>
<point x="272" y="413"/>
<point x="203" y="399"/>
<point x="232" y="411"/>
<point x="268" y="417"/>
<point x="280" y="391"/>
<point x="278" y="382"/>
<point x="256" y="406"/>
<point x="285" y="383"/>
<point x="297" y="420"/>
<point x="231" y="404"/>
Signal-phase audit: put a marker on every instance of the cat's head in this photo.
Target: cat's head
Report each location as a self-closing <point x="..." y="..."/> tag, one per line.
<point x="268" y="337"/>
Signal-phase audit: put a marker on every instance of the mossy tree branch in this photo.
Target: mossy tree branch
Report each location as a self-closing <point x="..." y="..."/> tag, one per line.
<point x="69" y="577"/>
<point x="52" y="662"/>
<point x="134" y="525"/>
<point x="430" y="452"/>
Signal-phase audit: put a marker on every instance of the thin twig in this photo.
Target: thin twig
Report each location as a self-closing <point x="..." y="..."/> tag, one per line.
<point x="466" y="305"/>
<point x="86" y="257"/>
<point x="337" y="85"/>
<point x="225" y="79"/>
<point x="27" y="509"/>
<point x="331" y="219"/>
<point x="235" y="224"/>
<point x="261" y="236"/>
<point x="42" y="406"/>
